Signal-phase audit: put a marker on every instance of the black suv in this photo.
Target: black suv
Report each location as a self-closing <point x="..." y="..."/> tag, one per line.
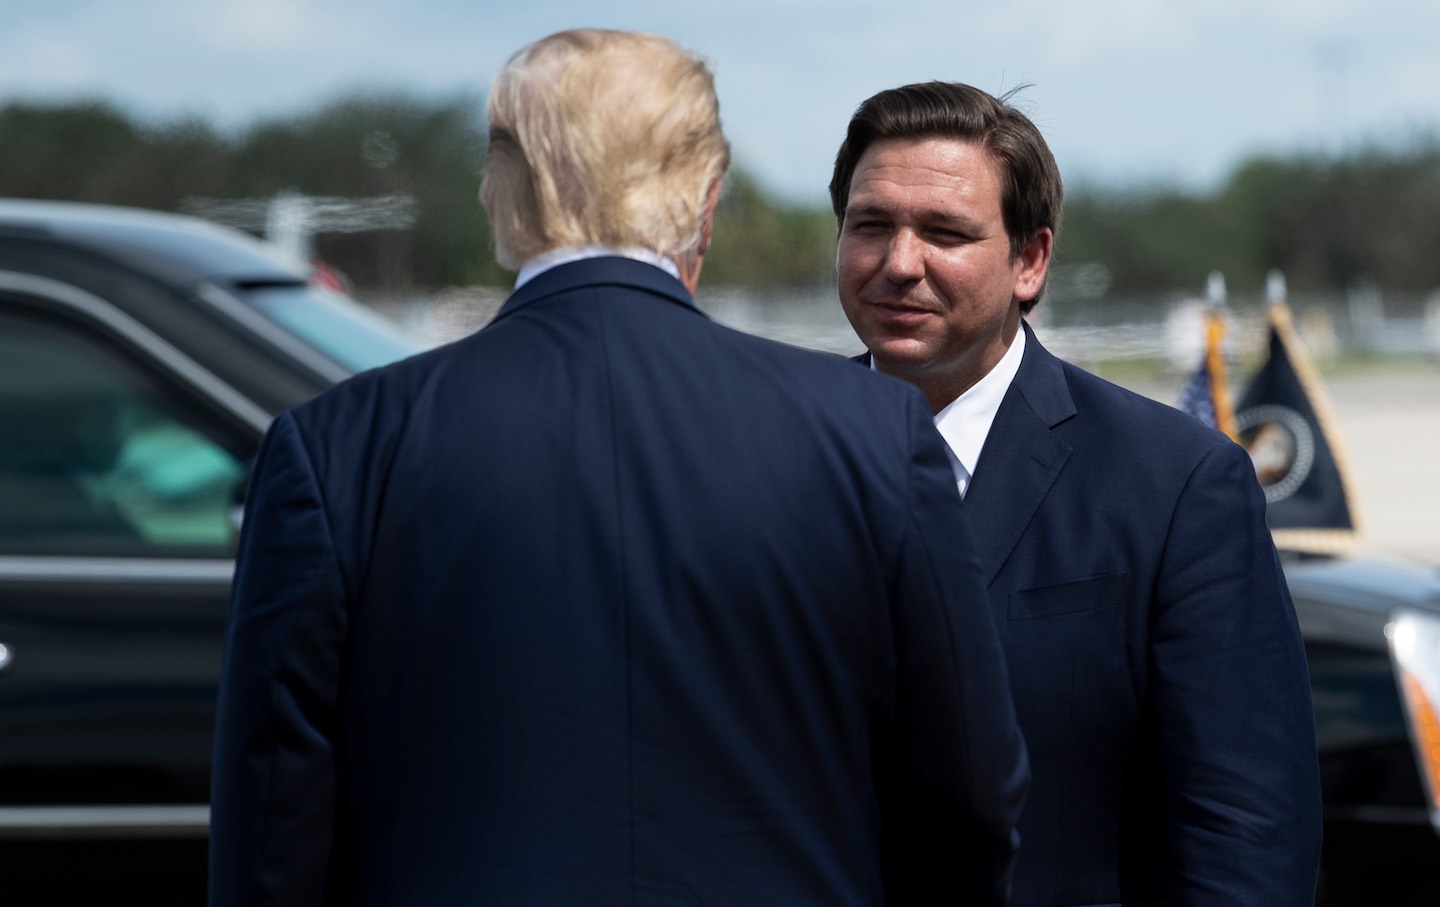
<point x="141" y="358"/>
<point x="1372" y="638"/>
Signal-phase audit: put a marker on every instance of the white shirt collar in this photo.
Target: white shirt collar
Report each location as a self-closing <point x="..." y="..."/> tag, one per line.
<point x="566" y="254"/>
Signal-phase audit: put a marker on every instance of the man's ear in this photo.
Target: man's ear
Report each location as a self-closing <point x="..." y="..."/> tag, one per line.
<point x="690" y="265"/>
<point x="707" y="223"/>
<point x="1034" y="264"/>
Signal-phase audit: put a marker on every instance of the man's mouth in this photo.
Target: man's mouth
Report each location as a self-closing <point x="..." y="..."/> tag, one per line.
<point x="900" y="311"/>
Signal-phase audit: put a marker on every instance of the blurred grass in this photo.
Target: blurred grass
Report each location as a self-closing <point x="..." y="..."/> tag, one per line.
<point x="1155" y="377"/>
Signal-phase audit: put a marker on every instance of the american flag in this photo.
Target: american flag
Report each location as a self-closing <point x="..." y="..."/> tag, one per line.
<point x="1197" y="396"/>
<point x="1206" y="396"/>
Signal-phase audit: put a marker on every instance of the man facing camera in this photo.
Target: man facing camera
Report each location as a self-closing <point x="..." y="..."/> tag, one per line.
<point x="1153" y="651"/>
<point x="608" y="604"/>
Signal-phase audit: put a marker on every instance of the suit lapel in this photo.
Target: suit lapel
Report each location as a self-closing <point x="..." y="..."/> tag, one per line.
<point x="1021" y="458"/>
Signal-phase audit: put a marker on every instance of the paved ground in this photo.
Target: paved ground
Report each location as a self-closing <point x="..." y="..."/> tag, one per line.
<point x="1389" y="418"/>
<point x="1391" y="423"/>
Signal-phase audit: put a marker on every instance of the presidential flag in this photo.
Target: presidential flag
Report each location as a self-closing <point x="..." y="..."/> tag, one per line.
<point x="1285" y="421"/>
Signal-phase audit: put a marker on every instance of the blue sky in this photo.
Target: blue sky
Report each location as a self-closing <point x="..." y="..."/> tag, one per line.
<point x="1125" y="90"/>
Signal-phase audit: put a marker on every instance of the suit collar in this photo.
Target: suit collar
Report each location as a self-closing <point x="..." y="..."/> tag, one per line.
<point x="1022" y="456"/>
<point x="589" y="273"/>
<point x="1042" y="383"/>
<point x="543" y="262"/>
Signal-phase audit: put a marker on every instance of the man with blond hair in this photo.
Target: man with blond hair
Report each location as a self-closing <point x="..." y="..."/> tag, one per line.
<point x="607" y="603"/>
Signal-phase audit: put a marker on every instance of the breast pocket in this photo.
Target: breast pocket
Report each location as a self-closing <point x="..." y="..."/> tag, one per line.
<point x="1094" y="593"/>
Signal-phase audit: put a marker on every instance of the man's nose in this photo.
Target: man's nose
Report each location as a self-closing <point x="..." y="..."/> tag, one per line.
<point x="905" y="259"/>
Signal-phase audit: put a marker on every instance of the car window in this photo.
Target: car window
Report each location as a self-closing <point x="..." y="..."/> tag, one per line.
<point x="342" y="329"/>
<point x="99" y="456"/>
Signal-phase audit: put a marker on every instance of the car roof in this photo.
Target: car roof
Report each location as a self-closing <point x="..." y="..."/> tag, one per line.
<point x="176" y="248"/>
<point x="1374" y="584"/>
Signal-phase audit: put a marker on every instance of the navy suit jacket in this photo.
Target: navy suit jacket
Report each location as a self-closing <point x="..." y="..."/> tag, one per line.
<point x="609" y="604"/>
<point x="1154" y="654"/>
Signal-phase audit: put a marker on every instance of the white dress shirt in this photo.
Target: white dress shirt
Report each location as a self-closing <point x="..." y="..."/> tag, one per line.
<point x="566" y="254"/>
<point x="966" y="421"/>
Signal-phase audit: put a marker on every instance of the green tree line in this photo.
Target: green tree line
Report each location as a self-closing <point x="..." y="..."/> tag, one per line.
<point x="355" y="147"/>
<point x="361" y="146"/>
<point x="1328" y="222"/>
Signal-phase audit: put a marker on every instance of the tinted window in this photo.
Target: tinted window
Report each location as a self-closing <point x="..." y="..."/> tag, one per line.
<point x="99" y="456"/>
<point x="339" y="327"/>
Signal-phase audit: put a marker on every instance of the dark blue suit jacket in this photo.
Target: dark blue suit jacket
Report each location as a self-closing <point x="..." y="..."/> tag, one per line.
<point x="609" y="604"/>
<point x="1153" y="649"/>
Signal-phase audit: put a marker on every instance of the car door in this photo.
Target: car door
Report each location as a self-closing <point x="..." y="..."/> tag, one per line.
<point x="121" y="467"/>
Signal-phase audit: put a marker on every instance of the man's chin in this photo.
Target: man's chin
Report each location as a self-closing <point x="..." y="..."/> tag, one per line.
<point x="900" y="356"/>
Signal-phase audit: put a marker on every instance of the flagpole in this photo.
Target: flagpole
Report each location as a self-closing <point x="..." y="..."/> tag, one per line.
<point x="1215" y="356"/>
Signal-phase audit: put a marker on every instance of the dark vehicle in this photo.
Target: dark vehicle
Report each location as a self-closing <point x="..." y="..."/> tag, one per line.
<point x="1372" y="636"/>
<point x="141" y="358"/>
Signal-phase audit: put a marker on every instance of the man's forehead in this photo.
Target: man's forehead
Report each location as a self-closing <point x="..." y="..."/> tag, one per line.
<point x="942" y="154"/>
<point x="941" y="144"/>
<point x="936" y="174"/>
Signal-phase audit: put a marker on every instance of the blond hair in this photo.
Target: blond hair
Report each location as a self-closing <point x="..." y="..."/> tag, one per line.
<point x="602" y="137"/>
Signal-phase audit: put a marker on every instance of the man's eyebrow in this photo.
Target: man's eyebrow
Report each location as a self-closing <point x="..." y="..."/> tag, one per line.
<point x="866" y="209"/>
<point x="927" y="215"/>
